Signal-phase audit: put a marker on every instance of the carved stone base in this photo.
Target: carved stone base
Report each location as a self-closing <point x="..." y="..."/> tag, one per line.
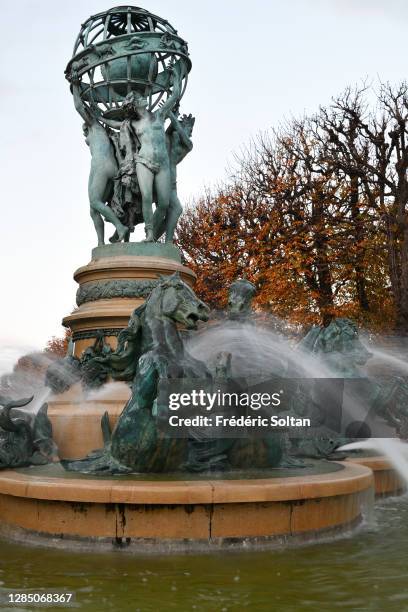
<point x="117" y="280"/>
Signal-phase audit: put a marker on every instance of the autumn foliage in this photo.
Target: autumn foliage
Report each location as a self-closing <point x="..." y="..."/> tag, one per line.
<point x="58" y="346"/>
<point x="315" y="215"/>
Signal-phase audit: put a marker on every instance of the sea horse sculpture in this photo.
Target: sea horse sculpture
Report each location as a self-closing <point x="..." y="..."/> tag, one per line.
<point x="24" y="440"/>
<point x="149" y="351"/>
<point x="339" y="346"/>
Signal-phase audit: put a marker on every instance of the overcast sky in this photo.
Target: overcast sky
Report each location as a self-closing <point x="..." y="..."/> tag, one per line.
<point x="254" y="63"/>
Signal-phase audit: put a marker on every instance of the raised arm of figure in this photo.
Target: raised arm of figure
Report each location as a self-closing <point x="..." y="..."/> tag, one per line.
<point x="79" y="105"/>
<point x="167" y="106"/>
<point x="175" y="123"/>
<point x="113" y="123"/>
<point x="97" y="114"/>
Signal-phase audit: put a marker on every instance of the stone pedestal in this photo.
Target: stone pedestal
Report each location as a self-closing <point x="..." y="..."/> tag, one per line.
<point x="76" y="417"/>
<point x="117" y="280"/>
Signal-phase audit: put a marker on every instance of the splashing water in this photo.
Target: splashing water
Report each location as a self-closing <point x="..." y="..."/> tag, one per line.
<point x="28" y="379"/>
<point x="261" y="352"/>
<point x="257" y="351"/>
<point x="395" y="450"/>
<point x="107" y="391"/>
<point x="39" y="399"/>
<point x="396" y="363"/>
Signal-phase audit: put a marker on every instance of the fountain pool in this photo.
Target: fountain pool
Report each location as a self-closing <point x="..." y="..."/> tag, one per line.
<point x="364" y="572"/>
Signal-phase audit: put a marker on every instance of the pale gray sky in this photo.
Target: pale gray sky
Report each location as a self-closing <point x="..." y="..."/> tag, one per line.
<point x="254" y="63"/>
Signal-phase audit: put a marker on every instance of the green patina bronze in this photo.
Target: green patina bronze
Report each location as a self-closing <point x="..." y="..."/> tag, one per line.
<point x="340" y="349"/>
<point x="240" y="296"/>
<point x="144" y="66"/>
<point x="62" y="373"/>
<point x="65" y="372"/>
<point x="138" y="249"/>
<point x="127" y="75"/>
<point x="104" y="167"/>
<point x="99" y="290"/>
<point x="178" y="142"/>
<point x="93" y="373"/>
<point x="25" y="439"/>
<point x="150" y="352"/>
<point x="94" y="333"/>
<point x="339" y="346"/>
<point x="390" y="402"/>
<point x="341" y="352"/>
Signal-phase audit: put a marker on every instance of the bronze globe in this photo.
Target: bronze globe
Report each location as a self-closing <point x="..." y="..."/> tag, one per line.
<point x="127" y="49"/>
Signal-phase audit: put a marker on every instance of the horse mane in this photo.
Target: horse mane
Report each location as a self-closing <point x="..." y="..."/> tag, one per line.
<point x="126" y="356"/>
<point x="125" y="359"/>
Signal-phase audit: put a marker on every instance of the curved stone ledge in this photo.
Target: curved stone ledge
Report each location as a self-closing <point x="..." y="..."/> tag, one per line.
<point x="386" y="478"/>
<point x="207" y="511"/>
<point x="112" y="313"/>
<point x="348" y="480"/>
<point x="131" y="268"/>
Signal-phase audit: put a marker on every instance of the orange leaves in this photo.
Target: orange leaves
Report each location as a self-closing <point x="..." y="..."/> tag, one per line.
<point x="58" y="346"/>
<point x="302" y="256"/>
<point x="314" y="216"/>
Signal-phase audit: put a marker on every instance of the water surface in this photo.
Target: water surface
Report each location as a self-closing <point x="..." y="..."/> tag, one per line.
<point x="365" y="571"/>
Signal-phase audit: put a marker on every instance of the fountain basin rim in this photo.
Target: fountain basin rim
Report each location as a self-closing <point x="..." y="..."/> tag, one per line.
<point x="351" y="479"/>
<point x="374" y="462"/>
<point x="386" y="478"/>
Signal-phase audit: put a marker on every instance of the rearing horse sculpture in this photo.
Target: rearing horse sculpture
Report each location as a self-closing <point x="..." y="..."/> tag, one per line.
<point x="149" y="350"/>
